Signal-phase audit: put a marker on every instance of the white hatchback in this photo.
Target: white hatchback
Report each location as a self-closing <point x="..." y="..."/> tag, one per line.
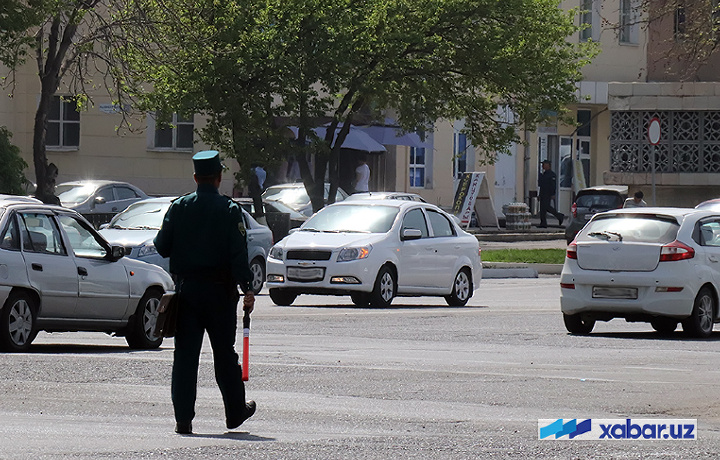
<point x="58" y="274"/>
<point x="374" y="251"/>
<point x="657" y="265"/>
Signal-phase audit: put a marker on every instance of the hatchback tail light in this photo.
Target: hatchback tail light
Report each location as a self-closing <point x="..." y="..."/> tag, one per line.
<point x="676" y="251"/>
<point x="571" y="252"/>
<point x="573" y="208"/>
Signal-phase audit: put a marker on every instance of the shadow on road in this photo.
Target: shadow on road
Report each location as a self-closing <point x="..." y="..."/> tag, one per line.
<point x="238" y="435"/>
<point x="63" y="348"/>
<point x="391" y="307"/>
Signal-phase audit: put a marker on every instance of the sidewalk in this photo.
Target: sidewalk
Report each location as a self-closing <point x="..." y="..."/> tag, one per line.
<point x="552" y="237"/>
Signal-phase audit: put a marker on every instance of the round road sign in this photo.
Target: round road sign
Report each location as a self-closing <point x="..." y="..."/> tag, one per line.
<point x="654" y="131"/>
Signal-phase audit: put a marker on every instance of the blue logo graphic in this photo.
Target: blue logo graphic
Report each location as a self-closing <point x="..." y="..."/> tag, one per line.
<point x="571" y="428"/>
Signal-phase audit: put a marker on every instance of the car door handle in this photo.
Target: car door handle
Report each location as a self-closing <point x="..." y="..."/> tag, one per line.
<point x="37" y="267"/>
<point x="712" y="258"/>
<point x="114" y="208"/>
<point x="82" y="271"/>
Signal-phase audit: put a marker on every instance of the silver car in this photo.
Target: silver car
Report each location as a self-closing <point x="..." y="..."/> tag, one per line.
<point x="58" y="274"/>
<point x="98" y="200"/>
<point x="136" y="227"/>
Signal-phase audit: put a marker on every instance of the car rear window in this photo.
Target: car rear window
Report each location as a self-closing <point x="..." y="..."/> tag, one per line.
<point x="606" y="200"/>
<point x="647" y="228"/>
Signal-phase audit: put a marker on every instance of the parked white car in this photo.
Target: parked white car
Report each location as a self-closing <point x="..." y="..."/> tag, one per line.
<point x="136" y="228"/>
<point x="58" y="274"/>
<point x="657" y="265"/>
<point x="375" y="250"/>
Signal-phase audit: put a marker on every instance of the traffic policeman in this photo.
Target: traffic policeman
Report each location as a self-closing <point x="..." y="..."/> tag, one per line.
<point x="204" y="237"/>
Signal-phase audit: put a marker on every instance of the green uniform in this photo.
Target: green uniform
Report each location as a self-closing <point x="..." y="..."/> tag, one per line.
<point x="204" y="236"/>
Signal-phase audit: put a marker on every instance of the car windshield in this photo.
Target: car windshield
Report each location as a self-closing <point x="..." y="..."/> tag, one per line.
<point x="601" y="200"/>
<point x="646" y="228"/>
<point x="141" y="216"/>
<point x="71" y="194"/>
<point x="355" y="218"/>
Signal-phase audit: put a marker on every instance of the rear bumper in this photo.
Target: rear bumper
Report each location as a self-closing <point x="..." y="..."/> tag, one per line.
<point x="651" y="300"/>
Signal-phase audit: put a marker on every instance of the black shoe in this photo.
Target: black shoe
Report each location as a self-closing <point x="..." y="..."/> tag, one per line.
<point x="183" y="428"/>
<point x="249" y="411"/>
<point x="541" y="226"/>
<point x="561" y="219"/>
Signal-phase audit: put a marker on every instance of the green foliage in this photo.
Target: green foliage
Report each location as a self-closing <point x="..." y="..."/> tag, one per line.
<point x="12" y="166"/>
<point x="16" y="17"/>
<point x="531" y="256"/>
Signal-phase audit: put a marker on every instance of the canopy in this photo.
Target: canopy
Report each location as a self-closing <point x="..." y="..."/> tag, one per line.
<point x="356" y="139"/>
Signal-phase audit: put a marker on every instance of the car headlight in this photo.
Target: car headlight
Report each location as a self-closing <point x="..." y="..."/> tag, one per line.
<point x="354" y="253"/>
<point x="276" y="253"/>
<point x="147" y="250"/>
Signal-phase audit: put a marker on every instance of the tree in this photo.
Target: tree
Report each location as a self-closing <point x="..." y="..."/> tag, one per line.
<point x="12" y="177"/>
<point x="248" y="64"/>
<point x="71" y="42"/>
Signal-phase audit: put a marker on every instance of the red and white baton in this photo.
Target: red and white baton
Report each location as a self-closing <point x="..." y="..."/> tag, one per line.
<point x="246" y="347"/>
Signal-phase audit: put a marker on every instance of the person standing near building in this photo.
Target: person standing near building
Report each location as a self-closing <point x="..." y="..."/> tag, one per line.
<point x="548" y="184"/>
<point x="204" y="237"/>
<point x="362" y="176"/>
<point x="636" y="201"/>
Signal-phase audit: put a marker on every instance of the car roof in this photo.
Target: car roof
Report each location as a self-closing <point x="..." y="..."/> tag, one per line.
<point x="677" y="213"/>
<point x="96" y="182"/>
<point x="12" y="199"/>
<point x="385" y="195"/>
<point x="402" y="204"/>
<point x="622" y="189"/>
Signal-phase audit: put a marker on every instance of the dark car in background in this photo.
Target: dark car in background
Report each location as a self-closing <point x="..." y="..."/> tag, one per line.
<point x="590" y="201"/>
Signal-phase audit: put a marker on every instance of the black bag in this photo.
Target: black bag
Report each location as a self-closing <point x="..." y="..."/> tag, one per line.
<point x="167" y="315"/>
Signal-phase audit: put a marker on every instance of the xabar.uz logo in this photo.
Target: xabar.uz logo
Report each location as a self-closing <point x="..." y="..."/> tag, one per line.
<point x="612" y="429"/>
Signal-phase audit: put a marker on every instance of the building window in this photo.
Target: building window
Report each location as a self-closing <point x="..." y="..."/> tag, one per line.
<point x="63" y="126"/>
<point x="628" y="22"/>
<point x="586" y="20"/>
<point x="460" y="147"/>
<point x="417" y="167"/>
<point x="176" y="134"/>
<point x="680" y="22"/>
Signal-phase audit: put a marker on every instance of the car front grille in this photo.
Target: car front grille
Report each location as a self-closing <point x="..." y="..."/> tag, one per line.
<point x="308" y="254"/>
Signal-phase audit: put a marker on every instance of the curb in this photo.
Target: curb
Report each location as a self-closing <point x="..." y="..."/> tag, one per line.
<point x="514" y="270"/>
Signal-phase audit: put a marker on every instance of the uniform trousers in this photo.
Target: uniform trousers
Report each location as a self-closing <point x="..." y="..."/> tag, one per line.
<point x="212" y="307"/>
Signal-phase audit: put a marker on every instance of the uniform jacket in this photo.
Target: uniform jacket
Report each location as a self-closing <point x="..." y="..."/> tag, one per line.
<point x="547" y="183"/>
<point x="204" y="236"/>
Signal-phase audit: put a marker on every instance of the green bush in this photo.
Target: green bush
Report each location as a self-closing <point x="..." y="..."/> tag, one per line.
<point x="12" y="166"/>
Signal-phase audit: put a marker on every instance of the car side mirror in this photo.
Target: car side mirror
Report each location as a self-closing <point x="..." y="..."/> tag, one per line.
<point x="99" y="200"/>
<point x="117" y="252"/>
<point x="411" y="234"/>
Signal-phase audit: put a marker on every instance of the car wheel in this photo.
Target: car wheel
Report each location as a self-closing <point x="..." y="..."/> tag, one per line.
<point x="17" y="322"/>
<point x="360" y="299"/>
<point x="385" y="288"/>
<point x="700" y="322"/>
<point x="664" y="325"/>
<point x="575" y="324"/>
<point x="282" y="297"/>
<point x="462" y="289"/>
<point x="257" y="268"/>
<point x="141" y="328"/>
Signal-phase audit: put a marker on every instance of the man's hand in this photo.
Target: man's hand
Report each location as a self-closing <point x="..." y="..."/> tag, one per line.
<point x="249" y="301"/>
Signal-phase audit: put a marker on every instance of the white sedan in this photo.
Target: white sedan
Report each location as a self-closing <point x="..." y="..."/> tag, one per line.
<point x="657" y="265"/>
<point x="57" y="274"/>
<point x="375" y="251"/>
<point x="136" y="228"/>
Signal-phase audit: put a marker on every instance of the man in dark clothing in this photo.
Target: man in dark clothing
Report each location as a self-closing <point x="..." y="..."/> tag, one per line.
<point x="204" y="236"/>
<point x="548" y="185"/>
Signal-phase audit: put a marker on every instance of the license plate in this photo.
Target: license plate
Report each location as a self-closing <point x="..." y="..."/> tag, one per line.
<point x="604" y="292"/>
<point x="306" y="273"/>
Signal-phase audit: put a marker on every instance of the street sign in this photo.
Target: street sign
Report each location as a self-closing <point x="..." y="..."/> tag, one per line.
<point x="654" y="131"/>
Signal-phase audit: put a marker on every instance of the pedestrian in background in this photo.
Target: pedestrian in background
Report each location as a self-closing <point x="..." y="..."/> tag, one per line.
<point x="204" y="236"/>
<point x="636" y="201"/>
<point x="362" y="176"/>
<point x="548" y="184"/>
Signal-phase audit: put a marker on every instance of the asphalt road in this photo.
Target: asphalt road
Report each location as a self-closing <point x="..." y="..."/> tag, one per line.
<point x="417" y="380"/>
